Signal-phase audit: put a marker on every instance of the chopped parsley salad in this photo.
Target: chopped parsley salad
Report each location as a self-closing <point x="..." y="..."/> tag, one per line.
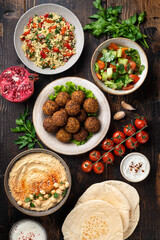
<point x="48" y="40"/>
<point x="118" y="67"/>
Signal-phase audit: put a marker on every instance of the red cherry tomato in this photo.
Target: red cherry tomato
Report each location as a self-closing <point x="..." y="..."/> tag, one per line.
<point x="118" y="137"/>
<point x="142" y="137"/>
<point x="140" y="122"/>
<point x="98" y="168"/>
<point x="94" y="155"/>
<point x="134" y="77"/>
<point x="107" y="144"/>
<point x="55" y="49"/>
<point x="86" y="166"/>
<point x="128" y="87"/>
<point x="108" y="158"/>
<point x="132" y="64"/>
<point x="119" y="150"/>
<point x="129" y="130"/>
<point x="131" y="143"/>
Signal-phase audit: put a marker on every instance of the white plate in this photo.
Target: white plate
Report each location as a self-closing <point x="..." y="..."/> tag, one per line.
<point x="49" y="139"/>
<point x="41" y="10"/>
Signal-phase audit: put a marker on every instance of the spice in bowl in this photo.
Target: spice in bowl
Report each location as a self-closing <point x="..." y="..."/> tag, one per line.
<point x="135" y="167"/>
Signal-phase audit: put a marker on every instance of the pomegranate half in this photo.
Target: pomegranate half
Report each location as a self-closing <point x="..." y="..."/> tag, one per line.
<point x="17" y="84"/>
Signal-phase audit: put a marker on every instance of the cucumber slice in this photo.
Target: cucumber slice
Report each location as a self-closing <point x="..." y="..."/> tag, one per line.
<point x="109" y="72"/>
<point x="104" y="76"/>
<point x="104" y="50"/>
<point x="119" y="53"/>
<point x="123" y="61"/>
<point x="114" y="53"/>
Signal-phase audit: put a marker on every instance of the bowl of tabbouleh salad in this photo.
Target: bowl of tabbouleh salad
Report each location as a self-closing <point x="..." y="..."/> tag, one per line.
<point x="48" y="38"/>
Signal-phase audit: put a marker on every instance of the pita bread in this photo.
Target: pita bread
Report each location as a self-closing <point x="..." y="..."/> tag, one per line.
<point x="133" y="198"/>
<point x="93" y="220"/>
<point x="111" y="195"/>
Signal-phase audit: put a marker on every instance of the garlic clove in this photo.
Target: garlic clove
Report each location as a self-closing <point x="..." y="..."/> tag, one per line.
<point x="127" y="106"/>
<point x="119" y="115"/>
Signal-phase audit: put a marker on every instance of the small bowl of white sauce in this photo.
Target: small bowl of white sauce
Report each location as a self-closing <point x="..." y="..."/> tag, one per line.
<point x="27" y="229"/>
<point x="135" y="167"/>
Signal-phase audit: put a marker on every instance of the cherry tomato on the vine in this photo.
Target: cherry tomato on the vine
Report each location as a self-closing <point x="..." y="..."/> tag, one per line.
<point x="129" y="130"/>
<point x="119" y="150"/>
<point x="86" y="166"/>
<point x="94" y="155"/>
<point x="142" y="137"/>
<point x="131" y="143"/>
<point x="98" y="168"/>
<point x="140" y="122"/>
<point x="108" y="158"/>
<point x="118" y="137"/>
<point x="107" y="144"/>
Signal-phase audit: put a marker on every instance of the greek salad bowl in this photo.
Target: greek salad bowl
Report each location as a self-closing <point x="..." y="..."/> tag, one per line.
<point x="119" y="66"/>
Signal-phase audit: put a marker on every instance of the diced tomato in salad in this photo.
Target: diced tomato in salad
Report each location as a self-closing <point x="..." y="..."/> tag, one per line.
<point x="118" y="67"/>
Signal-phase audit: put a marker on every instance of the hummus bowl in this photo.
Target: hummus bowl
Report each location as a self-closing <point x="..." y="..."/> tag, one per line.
<point x="37" y="182"/>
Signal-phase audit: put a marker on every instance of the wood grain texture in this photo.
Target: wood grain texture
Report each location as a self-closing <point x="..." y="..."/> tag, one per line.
<point x="145" y="100"/>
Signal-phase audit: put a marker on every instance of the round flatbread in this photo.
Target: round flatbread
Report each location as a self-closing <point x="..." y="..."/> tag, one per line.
<point x="133" y="198"/>
<point x="93" y="220"/>
<point x="111" y="195"/>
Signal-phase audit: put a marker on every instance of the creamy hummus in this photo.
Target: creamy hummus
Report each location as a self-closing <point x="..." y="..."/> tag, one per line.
<point x="38" y="181"/>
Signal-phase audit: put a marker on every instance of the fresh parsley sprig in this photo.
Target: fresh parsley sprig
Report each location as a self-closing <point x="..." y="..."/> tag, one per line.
<point x="108" y="22"/>
<point x="25" y="125"/>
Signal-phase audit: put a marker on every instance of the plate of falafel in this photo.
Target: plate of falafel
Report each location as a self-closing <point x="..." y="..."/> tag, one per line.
<point x="71" y="115"/>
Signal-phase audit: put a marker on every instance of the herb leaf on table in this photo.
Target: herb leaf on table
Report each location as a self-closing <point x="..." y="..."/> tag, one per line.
<point x="25" y="125"/>
<point x="108" y="22"/>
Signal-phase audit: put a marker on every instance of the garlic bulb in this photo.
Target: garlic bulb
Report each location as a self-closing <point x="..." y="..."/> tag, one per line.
<point x="127" y="106"/>
<point x="119" y="115"/>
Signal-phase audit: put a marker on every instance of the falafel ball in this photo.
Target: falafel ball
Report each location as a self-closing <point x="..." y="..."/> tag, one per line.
<point x="92" y="124"/>
<point x="49" y="107"/>
<point x="78" y="96"/>
<point x="72" y="108"/>
<point x="81" y="135"/>
<point x="63" y="136"/>
<point x="72" y="125"/>
<point x="90" y="105"/>
<point x="49" y="125"/>
<point x="81" y="116"/>
<point x="62" y="98"/>
<point x="59" y="118"/>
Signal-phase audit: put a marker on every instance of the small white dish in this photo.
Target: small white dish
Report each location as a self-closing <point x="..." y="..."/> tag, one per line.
<point x="27" y="229"/>
<point x="41" y="10"/>
<point x="50" y="140"/>
<point x="135" y="167"/>
<point x="126" y="43"/>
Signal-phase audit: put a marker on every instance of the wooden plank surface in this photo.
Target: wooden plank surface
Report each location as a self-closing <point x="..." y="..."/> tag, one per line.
<point x="145" y="100"/>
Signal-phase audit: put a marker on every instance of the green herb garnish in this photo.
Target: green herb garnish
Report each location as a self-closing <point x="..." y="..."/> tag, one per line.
<point x="82" y="142"/>
<point x="64" y="192"/>
<point x="56" y="195"/>
<point x="108" y="22"/>
<point x="25" y="125"/>
<point x="27" y="200"/>
<point x="32" y="204"/>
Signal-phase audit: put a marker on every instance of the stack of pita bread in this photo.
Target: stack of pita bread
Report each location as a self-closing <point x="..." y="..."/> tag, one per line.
<point x="106" y="211"/>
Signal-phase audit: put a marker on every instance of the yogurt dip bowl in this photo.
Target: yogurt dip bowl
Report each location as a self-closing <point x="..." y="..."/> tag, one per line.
<point x="27" y="229"/>
<point x="135" y="167"/>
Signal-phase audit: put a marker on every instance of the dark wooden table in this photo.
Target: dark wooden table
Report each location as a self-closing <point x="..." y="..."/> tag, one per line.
<point x="145" y="100"/>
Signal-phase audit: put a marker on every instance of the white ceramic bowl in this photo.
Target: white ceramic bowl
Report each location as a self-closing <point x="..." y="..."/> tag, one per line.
<point x="132" y="177"/>
<point x="41" y="10"/>
<point x="127" y="43"/>
<point x="49" y="139"/>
